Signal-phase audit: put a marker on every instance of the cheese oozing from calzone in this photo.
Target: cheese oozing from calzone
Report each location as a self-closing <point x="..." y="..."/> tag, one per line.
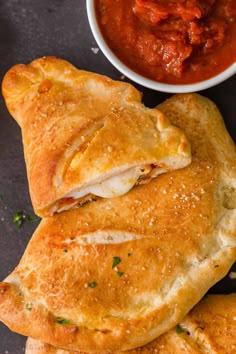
<point x="85" y="135"/>
<point x="113" y="186"/>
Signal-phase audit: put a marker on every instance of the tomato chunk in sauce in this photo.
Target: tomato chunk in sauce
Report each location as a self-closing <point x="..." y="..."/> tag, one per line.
<point x="175" y="41"/>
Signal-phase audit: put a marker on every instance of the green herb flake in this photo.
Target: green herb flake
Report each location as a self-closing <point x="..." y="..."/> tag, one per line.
<point x="116" y="260"/>
<point x="92" y="284"/>
<point x="179" y="329"/>
<point x="205" y="298"/>
<point x="18" y="219"/>
<point x="32" y="219"/>
<point x="29" y="308"/>
<point x="65" y="250"/>
<point x="61" y="320"/>
<point x="120" y="274"/>
<point x="129" y="254"/>
<point x="216" y="265"/>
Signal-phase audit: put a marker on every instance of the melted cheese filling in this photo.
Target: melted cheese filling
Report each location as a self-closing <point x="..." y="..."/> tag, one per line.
<point x="114" y="186"/>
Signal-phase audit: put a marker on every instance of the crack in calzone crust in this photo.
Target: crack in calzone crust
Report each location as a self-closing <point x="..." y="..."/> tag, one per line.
<point x="210" y="328"/>
<point x="117" y="273"/>
<point x="86" y="135"/>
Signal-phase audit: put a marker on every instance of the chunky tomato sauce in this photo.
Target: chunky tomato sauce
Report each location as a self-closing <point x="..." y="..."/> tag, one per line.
<point x="172" y="41"/>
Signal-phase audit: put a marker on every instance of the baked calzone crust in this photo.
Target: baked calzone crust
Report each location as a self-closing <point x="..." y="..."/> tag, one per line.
<point x="210" y="328"/>
<point x="86" y="135"/>
<point x="117" y="273"/>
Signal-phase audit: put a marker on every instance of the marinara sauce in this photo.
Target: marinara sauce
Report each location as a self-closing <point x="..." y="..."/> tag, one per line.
<point x="172" y="41"/>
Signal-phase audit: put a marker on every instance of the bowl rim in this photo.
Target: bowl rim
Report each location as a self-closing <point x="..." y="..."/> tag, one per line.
<point x="141" y="80"/>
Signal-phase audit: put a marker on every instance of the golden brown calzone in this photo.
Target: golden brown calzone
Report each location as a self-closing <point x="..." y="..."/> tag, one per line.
<point x="210" y="328"/>
<point x="117" y="273"/>
<point x="86" y="135"/>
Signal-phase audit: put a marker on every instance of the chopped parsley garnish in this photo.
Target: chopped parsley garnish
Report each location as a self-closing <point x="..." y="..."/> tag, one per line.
<point x="120" y="274"/>
<point x="205" y="298"/>
<point x="61" y="320"/>
<point x="19" y="218"/>
<point x="65" y="250"/>
<point x="179" y="329"/>
<point x="92" y="284"/>
<point x="116" y="260"/>
<point x="32" y="219"/>
<point x="129" y="254"/>
<point x="29" y="308"/>
<point x="216" y="265"/>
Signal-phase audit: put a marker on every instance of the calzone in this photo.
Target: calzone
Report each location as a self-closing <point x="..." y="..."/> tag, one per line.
<point x="117" y="273"/>
<point x="210" y="328"/>
<point x="86" y="135"/>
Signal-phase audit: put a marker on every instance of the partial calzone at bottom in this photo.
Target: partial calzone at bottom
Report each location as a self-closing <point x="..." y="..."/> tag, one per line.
<point x="209" y="328"/>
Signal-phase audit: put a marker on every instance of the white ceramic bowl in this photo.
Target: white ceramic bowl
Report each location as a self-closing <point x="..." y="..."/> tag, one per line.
<point x="154" y="85"/>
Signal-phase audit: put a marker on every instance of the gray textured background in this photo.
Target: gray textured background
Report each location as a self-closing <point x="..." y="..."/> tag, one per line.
<point x="34" y="28"/>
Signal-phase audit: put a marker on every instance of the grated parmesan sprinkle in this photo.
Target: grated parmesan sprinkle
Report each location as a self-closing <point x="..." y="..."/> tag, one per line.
<point x="95" y="50"/>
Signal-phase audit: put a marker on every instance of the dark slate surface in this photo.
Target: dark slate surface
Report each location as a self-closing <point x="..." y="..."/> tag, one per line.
<point x="30" y="29"/>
